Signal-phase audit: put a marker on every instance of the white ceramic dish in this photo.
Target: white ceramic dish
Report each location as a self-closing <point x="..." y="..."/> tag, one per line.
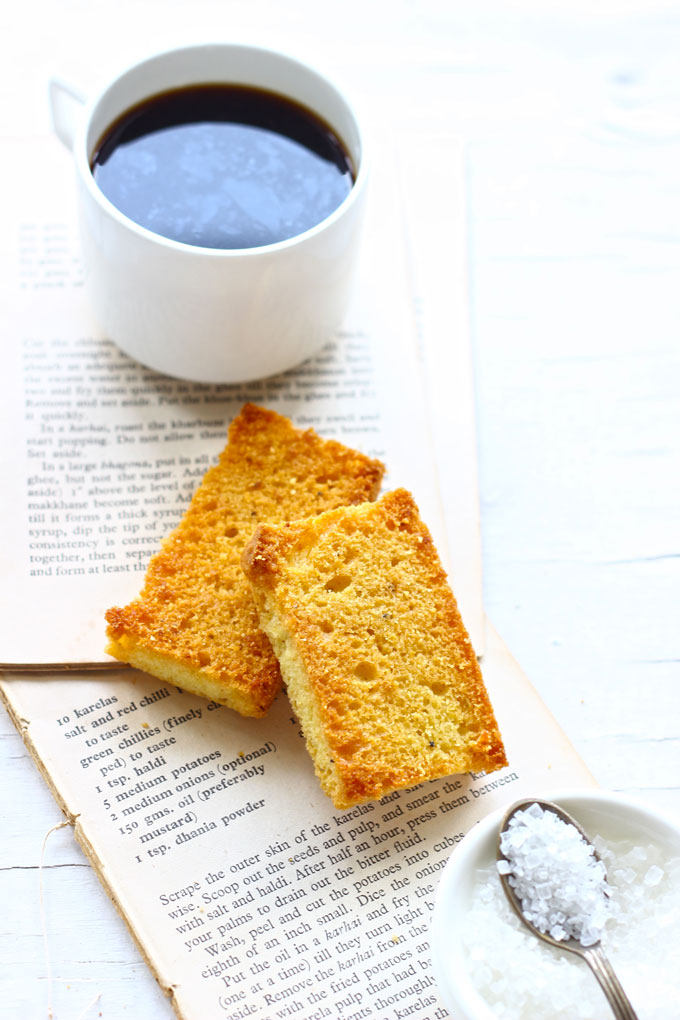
<point x="614" y="816"/>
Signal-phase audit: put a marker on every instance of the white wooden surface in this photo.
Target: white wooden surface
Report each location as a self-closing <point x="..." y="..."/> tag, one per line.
<point x="572" y="117"/>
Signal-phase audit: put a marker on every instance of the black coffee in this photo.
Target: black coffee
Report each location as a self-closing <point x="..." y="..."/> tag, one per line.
<point x="223" y="166"/>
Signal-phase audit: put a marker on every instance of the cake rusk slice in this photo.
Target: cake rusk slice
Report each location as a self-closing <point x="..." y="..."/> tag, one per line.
<point x="194" y="624"/>
<point x="379" y="668"/>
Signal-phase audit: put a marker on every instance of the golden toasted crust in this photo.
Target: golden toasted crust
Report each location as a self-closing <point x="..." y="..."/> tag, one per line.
<point x="379" y="667"/>
<point x="194" y="623"/>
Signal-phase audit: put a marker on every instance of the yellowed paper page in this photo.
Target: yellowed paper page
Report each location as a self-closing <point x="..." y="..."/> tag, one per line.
<point x="248" y="892"/>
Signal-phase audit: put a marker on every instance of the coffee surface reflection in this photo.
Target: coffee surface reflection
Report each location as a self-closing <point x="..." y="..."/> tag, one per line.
<point x="223" y="166"/>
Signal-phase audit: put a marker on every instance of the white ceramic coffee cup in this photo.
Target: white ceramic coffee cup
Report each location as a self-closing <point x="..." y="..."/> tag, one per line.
<point x="206" y="314"/>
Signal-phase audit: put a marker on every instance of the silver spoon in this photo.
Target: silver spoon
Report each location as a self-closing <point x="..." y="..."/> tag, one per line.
<point x="593" y="955"/>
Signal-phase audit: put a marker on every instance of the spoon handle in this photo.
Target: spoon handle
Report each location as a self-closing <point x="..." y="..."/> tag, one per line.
<point x="617" y="998"/>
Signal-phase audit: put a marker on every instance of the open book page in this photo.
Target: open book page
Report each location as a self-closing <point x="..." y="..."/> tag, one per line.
<point x="105" y="454"/>
<point x="248" y="893"/>
<point x="436" y="226"/>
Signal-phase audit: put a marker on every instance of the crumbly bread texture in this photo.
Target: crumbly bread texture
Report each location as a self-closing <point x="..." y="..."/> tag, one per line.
<point x="379" y="668"/>
<point x="194" y="623"/>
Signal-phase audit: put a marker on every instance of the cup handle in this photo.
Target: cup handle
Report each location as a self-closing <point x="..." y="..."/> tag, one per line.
<point x="66" y="102"/>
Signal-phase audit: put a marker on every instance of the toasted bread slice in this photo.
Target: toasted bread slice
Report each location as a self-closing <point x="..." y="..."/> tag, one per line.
<point x="379" y="668"/>
<point x="194" y="623"/>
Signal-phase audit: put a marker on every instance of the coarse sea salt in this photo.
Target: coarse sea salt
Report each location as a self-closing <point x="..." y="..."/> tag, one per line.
<point x="560" y="883"/>
<point x="522" y="978"/>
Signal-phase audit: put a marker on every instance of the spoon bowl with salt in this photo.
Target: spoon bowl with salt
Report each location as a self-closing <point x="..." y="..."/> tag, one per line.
<point x="557" y="886"/>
